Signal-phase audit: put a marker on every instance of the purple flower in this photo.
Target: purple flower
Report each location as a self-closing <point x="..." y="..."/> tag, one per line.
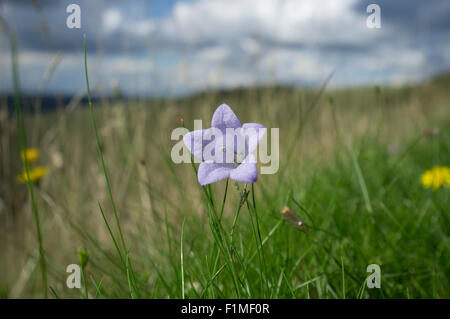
<point x="226" y="149"/>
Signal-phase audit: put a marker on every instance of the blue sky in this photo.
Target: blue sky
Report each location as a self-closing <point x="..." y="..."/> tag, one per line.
<point x="175" y="47"/>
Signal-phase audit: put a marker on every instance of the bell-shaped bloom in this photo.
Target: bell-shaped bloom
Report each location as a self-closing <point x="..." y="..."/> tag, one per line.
<point x="226" y="149"/>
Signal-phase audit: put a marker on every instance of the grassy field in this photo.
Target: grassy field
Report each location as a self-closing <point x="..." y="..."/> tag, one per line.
<point x="350" y="165"/>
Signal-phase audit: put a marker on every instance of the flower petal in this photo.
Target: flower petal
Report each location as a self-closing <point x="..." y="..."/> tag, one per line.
<point x="246" y="172"/>
<point x="213" y="172"/>
<point x="196" y="142"/>
<point x="253" y="133"/>
<point x="225" y="118"/>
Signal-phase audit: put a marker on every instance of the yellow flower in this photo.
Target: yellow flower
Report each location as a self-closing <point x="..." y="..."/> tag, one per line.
<point x="436" y="177"/>
<point x="30" y="155"/>
<point x="35" y="174"/>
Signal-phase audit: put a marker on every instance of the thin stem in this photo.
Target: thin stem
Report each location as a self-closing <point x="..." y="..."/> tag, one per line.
<point x="182" y="260"/>
<point x="220" y="239"/>
<point x="130" y="281"/>
<point x="111" y="234"/>
<point x="343" y="277"/>
<point x="257" y="226"/>
<point x="224" y="199"/>
<point x="105" y="171"/>
<point x="255" y="229"/>
<point x="100" y="153"/>
<point x="23" y="147"/>
<point x="242" y="200"/>
<point x="83" y="276"/>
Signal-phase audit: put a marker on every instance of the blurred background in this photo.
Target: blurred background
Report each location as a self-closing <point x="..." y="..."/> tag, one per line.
<point x="160" y="48"/>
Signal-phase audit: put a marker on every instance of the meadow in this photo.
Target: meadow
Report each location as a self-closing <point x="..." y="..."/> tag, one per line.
<point x="351" y="162"/>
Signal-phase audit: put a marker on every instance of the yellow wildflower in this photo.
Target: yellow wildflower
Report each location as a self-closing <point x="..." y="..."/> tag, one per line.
<point x="30" y="155"/>
<point x="35" y="174"/>
<point x="436" y="177"/>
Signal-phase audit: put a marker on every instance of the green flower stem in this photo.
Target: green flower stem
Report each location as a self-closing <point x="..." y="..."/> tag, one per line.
<point x="23" y="147"/>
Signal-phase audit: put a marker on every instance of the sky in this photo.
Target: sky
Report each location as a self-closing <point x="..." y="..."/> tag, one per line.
<point x="160" y="48"/>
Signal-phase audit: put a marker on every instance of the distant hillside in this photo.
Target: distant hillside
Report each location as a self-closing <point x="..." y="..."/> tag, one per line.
<point x="53" y="102"/>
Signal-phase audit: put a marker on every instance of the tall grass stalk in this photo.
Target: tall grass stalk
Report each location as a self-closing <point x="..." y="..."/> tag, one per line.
<point x="23" y="147"/>
<point x="127" y="265"/>
<point x="83" y="277"/>
<point x="258" y="238"/>
<point x="182" y="260"/>
<point x="220" y="240"/>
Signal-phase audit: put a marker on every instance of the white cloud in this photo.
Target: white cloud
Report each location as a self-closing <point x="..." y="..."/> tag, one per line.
<point x="112" y="19"/>
<point x="294" y="41"/>
<point x="300" y="21"/>
<point x="205" y="44"/>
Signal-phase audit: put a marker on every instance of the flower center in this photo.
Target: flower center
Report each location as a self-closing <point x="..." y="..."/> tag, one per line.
<point x="238" y="157"/>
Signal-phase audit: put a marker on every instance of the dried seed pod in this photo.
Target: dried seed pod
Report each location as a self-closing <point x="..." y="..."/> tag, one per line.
<point x="141" y="161"/>
<point x="83" y="257"/>
<point x="293" y="218"/>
